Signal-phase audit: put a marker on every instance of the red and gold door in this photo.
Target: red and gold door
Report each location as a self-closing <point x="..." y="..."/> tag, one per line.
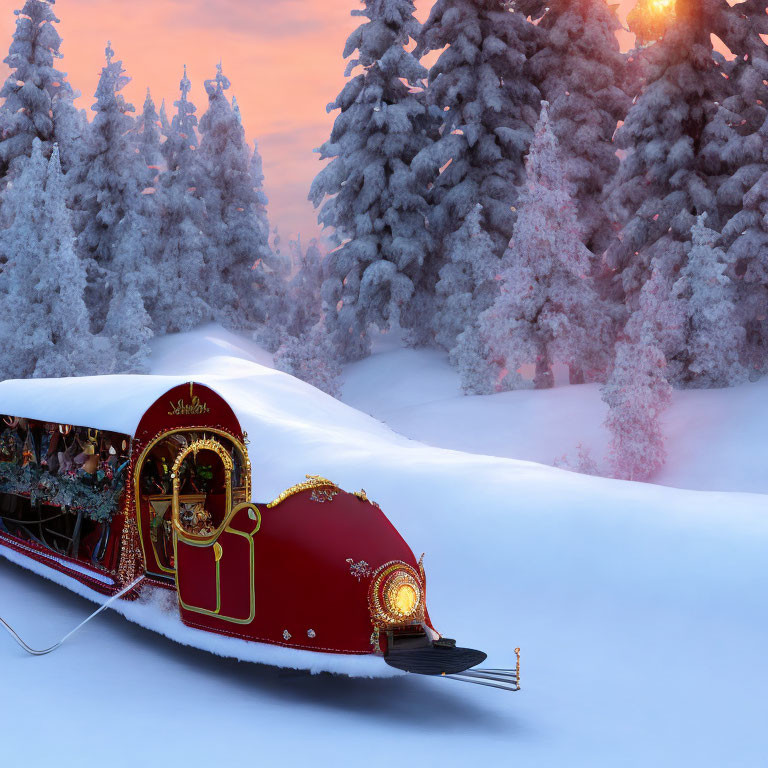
<point x="213" y="541"/>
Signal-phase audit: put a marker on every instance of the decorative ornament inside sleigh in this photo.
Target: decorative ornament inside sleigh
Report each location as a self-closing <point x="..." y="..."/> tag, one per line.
<point x="153" y="508"/>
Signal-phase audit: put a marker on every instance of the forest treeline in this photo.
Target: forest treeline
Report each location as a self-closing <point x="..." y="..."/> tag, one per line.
<point x="536" y="197"/>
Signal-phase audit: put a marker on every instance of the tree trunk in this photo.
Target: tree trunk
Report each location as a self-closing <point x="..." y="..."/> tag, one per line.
<point x="575" y="375"/>
<point x="544" y="378"/>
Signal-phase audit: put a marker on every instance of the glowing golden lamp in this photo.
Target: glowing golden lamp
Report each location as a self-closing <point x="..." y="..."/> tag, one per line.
<point x="649" y="19"/>
<point x="405" y="599"/>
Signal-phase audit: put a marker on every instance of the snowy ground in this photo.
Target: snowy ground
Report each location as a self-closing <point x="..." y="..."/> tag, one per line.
<point x="640" y="609"/>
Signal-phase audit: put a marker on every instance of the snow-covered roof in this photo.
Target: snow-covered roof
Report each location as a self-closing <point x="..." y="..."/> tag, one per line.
<point x="112" y="403"/>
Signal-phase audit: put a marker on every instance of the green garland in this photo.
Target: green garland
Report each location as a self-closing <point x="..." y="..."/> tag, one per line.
<point x="60" y="491"/>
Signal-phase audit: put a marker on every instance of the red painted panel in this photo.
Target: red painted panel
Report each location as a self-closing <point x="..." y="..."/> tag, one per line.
<point x="188" y="406"/>
<point x="196" y="574"/>
<point x="235" y="576"/>
<point x="306" y="593"/>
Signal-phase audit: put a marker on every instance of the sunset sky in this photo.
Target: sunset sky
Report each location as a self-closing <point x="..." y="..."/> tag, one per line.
<point x="282" y="56"/>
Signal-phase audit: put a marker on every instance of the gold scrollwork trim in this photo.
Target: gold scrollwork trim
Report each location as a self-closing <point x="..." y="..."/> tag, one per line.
<point x="312" y="482"/>
<point x="206" y="444"/>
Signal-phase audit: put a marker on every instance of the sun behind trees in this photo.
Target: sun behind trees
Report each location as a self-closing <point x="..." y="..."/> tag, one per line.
<point x="606" y="269"/>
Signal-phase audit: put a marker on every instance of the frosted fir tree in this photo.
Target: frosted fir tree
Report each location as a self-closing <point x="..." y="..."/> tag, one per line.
<point x="303" y="293"/>
<point x="666" y="178"/>
<point x="481" y="372"/>
<point x="311" y="357"/>
<point x="660" y="318"/>
<point x="110" y="182"/>
<point x="487" y="106"/>
<point x="136" y="249"/>
<point x="165" y="123"/>
<point x="129" y="327"/>
<point x="147" y="135"/>
<point x="637" y="394"/>
<point x="547" y="309"/>
<point x="47" y="328"/>
<point x="367" y="194"/>
<point x="269" y="275"/>
<point x="238" y="259"/>
<point x="181" y="245"/>
<point x="21" y="248"/>
<point x="467" y="284"/>
<point x="715" y="339"/>
<point x="733" y="138"/>
<point x="136" y="262"/>
<point x="581" y="72"/>
<point x="37" y="100"/>
<point x="740" y="137"/>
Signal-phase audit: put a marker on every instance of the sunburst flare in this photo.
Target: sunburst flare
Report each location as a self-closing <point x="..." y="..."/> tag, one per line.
<point x="650" y="19"/>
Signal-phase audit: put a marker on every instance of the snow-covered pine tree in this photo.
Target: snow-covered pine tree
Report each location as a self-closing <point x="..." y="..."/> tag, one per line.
<point x="129" y="327"/>
<point x="239" y="263"/>
<point x="481" y="372"/>
<point x="37" y="99"/>
<point x="136" y="250"/>
<point x="20" y="247"/>
<point x="714" y="338"/>
<point x="667" y="178"/>
<point x="368" y="194"/>
<point x="46" y="328"/>
<point x="303" y="293"/>
<point x="311" y="357"/>
<point x="165" y="123"/>
<point x="467" y="281"/>
<point x="270" y="277"/>
<point x="547" y="309"/>
<point x="110" y="181"/>
<point x="734" y="136"/>
<point x="581" y="72"/>
<point x="486" y="107"/>
<point x="466" y="288"/>
<point x="740" y="138"/>
<point x="637" y="394"/>
<point x="147" y="136"/>
<point x="181" y="245"/>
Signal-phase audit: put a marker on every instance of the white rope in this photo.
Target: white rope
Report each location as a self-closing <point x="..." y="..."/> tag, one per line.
<point x="66" y="637"/>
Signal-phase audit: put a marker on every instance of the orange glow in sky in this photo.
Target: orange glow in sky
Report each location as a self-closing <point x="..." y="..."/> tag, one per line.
<point x="283" y="58"/>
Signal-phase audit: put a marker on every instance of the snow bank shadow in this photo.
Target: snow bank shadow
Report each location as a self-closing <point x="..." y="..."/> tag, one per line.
<point x="422" y="704"/>
<point x="417" y="704"/>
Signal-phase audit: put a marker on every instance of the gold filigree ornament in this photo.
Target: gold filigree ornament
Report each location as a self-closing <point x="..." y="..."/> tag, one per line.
<point x="323" y="495"/>
<point x="396" y="596"/>
<point x="363" y="496"/>
<point x="312" y="483"/>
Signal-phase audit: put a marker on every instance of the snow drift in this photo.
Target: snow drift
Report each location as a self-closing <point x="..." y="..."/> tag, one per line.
<point x="639" y="609"/>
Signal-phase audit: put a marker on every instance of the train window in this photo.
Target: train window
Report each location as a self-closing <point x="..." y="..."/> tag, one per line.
<point x="60" y="530"/>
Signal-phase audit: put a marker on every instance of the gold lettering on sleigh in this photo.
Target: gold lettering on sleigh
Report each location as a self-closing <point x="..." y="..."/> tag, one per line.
<point x="195" y="408"/>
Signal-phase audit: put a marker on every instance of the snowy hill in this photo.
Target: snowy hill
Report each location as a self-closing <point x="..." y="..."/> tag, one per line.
<point x="640" y="609"/>
<point x="717" y="439"/>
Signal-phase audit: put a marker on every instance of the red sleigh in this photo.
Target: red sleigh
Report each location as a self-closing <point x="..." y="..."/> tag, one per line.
<point x="316" y="570"/>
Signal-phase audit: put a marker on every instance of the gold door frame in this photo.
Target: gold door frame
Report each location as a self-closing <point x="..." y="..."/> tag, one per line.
<point x="206" y="444"/>
<point x="137" y="495"/>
